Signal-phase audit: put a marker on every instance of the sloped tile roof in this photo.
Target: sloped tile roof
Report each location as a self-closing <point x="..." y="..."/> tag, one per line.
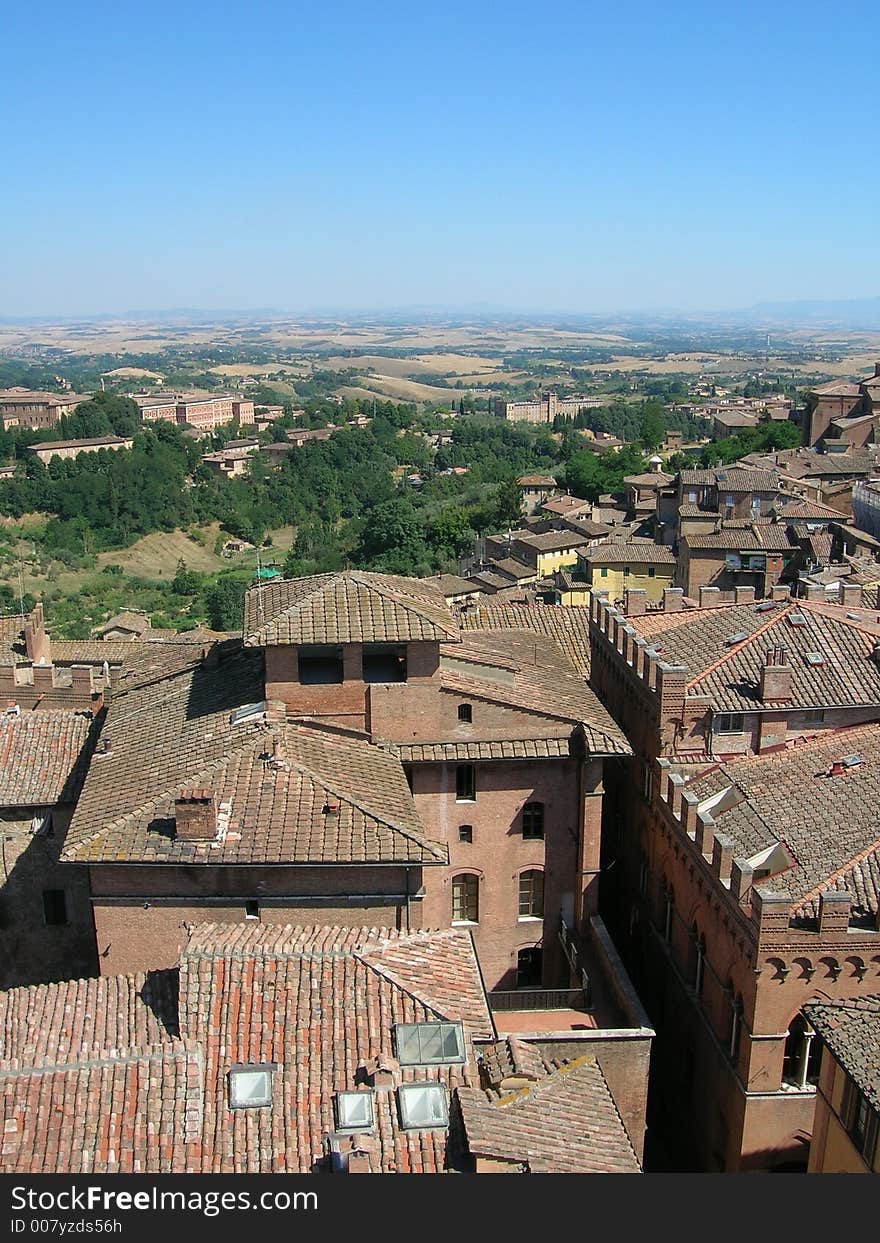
<point x="628" y="554"/>
<point x="349" y="607"/>
<point x="544" y="684"/>
<point x="851" y="1031"/>
<point x="318" y="1003"/>
<point x="730" y="675"/>
<point x="565" y="1123"/>
<point x="41" y="757"/>
<point x="272" y="782"/>
<point x="828" y="825"/>
<point x="567" y="625"/>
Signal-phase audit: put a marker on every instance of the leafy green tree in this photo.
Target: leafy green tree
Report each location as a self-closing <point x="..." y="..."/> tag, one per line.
<point x="185" y="582"/>
<point x="224" y="601"/>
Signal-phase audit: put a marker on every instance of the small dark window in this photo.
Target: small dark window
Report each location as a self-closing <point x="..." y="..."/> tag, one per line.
<point x="465" y="783"/>
<point x="252" y="909"/>
<point x="529" y="967"/>
<point x="533" y="820"/>
<point x="626" y="571"/>
<point x="465" y="832"/>
<point x="465" y="713"/>
<point x="651" y="571"/>
<point x="320" y="666"/>
<point x="408" y="773"/>
<point x="384" y="663"/>
<point x="54" y="907"/>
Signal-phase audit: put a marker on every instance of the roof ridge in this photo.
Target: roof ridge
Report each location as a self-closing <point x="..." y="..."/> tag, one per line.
<point x="389" y="593"/>
<point x="738" y="647"/>
<point x="833" y="876"/>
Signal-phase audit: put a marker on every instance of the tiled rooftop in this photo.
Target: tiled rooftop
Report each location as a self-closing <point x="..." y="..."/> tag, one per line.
<point x="567" y="625"/>
<point x="113" y="1076"/>
<point x="41" y="757"/>
<point x="272" y="781"/>
<point x="827" y="824"/>
<point x="544" y="683"/>
<point x="851" y="1031"/>
<point x="730" y="675"/>
<point x="630" y="553"/>
<point x="546" y="1117"/>
<point x="349" y="607"/>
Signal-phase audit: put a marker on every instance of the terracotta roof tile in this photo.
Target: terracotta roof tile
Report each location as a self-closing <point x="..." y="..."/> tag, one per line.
<point x="566" y="1122"/>
<point x="349" y="607"/>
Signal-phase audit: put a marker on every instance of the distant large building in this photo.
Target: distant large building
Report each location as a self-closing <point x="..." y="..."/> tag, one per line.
<point x="20" y="407"/>
<point x="202" y="410"/>
<point x="48" y="449"/>
<point x="843" y="412"/>
<point x="545" y="408"/>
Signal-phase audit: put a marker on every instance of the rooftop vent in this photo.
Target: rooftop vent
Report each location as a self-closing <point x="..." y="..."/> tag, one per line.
<point x="814" y="658"/>
<point x="851" y="761"/>
<point x="733" y="639"/>
<point x="195" y="814"/>
<point x="331" y="809"/>
<point x="766" y="606"/>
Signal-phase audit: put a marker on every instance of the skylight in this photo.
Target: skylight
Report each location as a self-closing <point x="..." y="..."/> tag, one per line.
<point x="422" y="1105"/>
<point x="814" y="658"/>
<point x="797" y="619"/>
<point x="430" y="1044"/>
<point x="250" y="1087"/>
<point x="736" y="638"/>
<point x="354" y="1111"/>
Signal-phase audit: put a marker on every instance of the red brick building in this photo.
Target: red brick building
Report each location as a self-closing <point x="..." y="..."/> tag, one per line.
<point x="746" y="869"/>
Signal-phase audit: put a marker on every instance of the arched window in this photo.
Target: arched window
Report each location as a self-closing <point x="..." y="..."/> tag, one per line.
<point x="531" y="894"/>
<point x="802" y="1055"/>
<point x="465" y="713"/>
<point x="465" y="898"/>
<point x="533" y="820"/>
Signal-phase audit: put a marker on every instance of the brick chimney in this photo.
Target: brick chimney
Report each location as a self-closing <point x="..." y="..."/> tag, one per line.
<point x="776" y="676"/>
<point x="36" y="641"/>
<point x="195" y="812"/>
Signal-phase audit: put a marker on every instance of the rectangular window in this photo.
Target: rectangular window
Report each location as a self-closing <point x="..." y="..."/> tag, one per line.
<point x="531" y="895"/>
<point x="54" y="907"/>
<point x="533" y="820"/>
<point x="728" y="722"/>
<point x="429" y="1044"/>
<point x="603" y="572"/>
<point x="320" y="666"/>
<point x="465" y="899"/>
<point x="422" y="1105"/>
<point x="252" y="909"/>
<point x="652" y="571"/>
<point x="813" y="718"/>
<point x="626" y="571"/>
<point x="466" y="833"/>
<point x="465" y="783"/>
<point x="384" y="663"/>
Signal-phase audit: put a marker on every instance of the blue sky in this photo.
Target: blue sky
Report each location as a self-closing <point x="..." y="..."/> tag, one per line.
<point x="556" y="156"/>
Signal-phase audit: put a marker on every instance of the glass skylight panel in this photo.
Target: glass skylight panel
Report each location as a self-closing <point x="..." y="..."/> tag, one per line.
<point x="422" y="1105"/>
<point x="354" y="1111"/>
<point x="250" y="1087"/>
<point x="430" y="1044"/>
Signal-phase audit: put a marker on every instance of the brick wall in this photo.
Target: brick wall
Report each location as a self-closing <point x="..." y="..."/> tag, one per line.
<point x="32" y="951"/>
<point x="499" y="853"/>
<point x="139" y="912"/>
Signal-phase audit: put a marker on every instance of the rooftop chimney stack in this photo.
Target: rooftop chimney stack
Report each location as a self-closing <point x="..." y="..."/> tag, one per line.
<point x="776" y="676"/>
<point x="195" y="813"/>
